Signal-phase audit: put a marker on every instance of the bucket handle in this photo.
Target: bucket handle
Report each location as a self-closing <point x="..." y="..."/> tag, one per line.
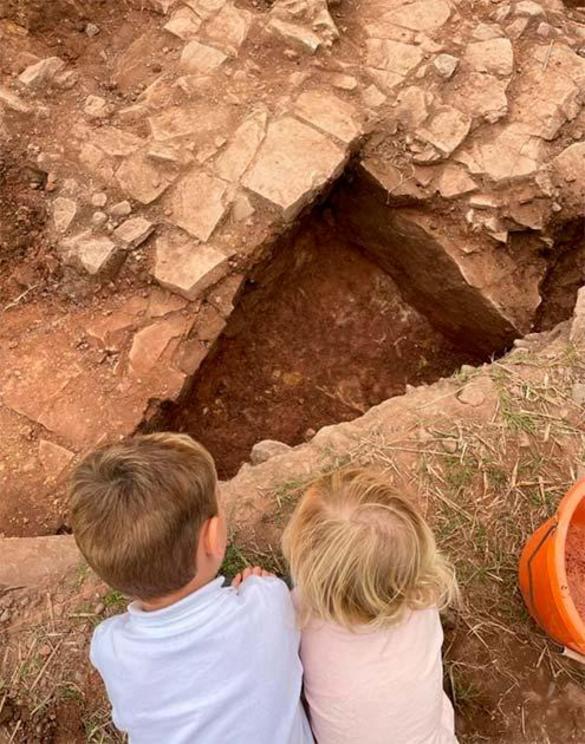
<point x="536" y="550"/>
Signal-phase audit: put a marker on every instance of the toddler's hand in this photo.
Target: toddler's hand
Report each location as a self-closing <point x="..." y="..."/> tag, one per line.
<point x="247" y="572"/>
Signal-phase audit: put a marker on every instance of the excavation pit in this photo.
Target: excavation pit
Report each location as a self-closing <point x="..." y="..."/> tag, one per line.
<point x="320" y="334"/>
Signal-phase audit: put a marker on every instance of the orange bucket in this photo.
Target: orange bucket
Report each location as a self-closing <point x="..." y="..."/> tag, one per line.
<point x="543" y="574"/>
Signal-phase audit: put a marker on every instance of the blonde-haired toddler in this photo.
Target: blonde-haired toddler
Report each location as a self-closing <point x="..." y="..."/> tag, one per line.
<point x="369" y="586"/>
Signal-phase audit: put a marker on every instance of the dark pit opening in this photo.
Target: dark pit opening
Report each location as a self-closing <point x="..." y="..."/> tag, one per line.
<point x="320" y="334"/>
<point x="564" y="278"/>
<point x="358" y="301"/>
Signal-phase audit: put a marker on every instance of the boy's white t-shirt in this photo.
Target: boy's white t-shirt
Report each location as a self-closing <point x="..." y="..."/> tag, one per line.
<point x="220" y="666"/>
<point x="377" y="687"/>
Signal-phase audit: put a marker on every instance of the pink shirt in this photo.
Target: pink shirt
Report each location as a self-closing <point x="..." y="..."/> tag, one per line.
<point x="382" y="687"/>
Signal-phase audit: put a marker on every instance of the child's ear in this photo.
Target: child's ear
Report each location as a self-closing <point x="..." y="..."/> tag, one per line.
<point x="213" y="536"/>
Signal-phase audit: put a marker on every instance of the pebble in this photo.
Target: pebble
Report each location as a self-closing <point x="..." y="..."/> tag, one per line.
<point x="98" y="219"/>
<point x="92" y="30"/>
<point x="99" y="200"/>
<point x="99" y="608"/>
<point x="5" y="616"/>
<point x="121" y="209"/>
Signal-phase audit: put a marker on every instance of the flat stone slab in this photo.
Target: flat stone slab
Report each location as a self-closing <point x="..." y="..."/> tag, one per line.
<point x="237" y="156"/>
<point x="134" y="232"/>
<point x="294" y="163"/>
<point x="186" y="268"/>
<point x="329" y="113"/>
<point x="97" y="255"/>
<point x="141" y="180"/>
<point x="201" y="59"/>
<point x="198" y="203"/>
<point x="37" y="561"/>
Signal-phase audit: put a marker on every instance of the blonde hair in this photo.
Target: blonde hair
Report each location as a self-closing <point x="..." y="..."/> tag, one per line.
<point x="361" y="554"/>
<point x="137" y="508"/>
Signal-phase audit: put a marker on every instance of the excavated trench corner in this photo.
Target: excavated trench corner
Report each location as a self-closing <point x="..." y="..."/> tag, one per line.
<point x="354" y="304"/>
<point x="358" y="301"/>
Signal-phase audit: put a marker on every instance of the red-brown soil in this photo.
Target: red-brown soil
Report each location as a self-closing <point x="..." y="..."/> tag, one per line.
<point x="575" y="565"/>
<point x="320" y="337"/>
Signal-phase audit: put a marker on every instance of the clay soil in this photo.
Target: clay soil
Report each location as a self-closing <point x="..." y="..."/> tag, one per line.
<point x="319" y="337"/>
<point x="575" y="565"/>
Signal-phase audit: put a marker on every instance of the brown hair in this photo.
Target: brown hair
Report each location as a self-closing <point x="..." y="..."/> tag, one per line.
<point x="137" y="508"/>
<point x="361" y="554"/>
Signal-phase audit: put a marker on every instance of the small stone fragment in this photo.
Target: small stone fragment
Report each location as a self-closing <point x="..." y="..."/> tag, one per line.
<point x="184" y="23"/>
<point x="267" y="449"/>
<point x="186" y="268"/>
<point x="445" y="64"/>
<point x="121" y="209"/>
<point x="446" y="130"/>
<point x="99" y="199"/>
<point x="42" y="72"/>
<point x="242" y="208"/>
<point x="96" y="255"/>
<point x="528" y="8"/>
<point x="54" y="458"/>
<point x="201" y="59"/>
<point x="295" y="34"/>
<point x="329" y="113"/>
<point x="64" y="211"/>
<point x="343" y="82"/>
<point x="141" y="180"/>
<point x="472" y="395"/>
<point x="97" y="107"/>
<point x="232" y="163"/>
<point x="229" y="28"/>
<point x="495" y="56"/>
<point x="13" y="102"/>
<point x="393" y="56"/>
<point x="373" y="96"/>
<point x="134" y="232"/>
<point x="98" y="219"/>
<point x="198" y="203"/>
<point x="455" y="181"/>
<point x="92" y="30"/>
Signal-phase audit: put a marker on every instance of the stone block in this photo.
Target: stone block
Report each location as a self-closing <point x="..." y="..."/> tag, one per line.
<point x="294" y="163"/>
<point x="134" y="232"/>
<point x="329" y="113"/>
<point x="13" y="102"/>
<point x="96" y="255"/>
<point x="41" y="73"/>
<point x="198" y="203"/>
<point x="150" y="343"/>
<point x="184" y="23"/>
<point x="186" y="268"/>
<point x="495" y="56"/>
<point x="54" y="458"/>
<point x="237" y="156"/>
<point x="295" y="34"/>
<point x="200" y="59"/>
<point x="393" y="56"/>
<point x="229" y="28"/>
<point x="423" y="15"/>
<point x="64" y="211"/>
<point x="142" y="180"/>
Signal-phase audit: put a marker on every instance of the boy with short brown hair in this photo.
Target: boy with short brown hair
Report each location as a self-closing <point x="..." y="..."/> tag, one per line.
<point x="191" y="660"/>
